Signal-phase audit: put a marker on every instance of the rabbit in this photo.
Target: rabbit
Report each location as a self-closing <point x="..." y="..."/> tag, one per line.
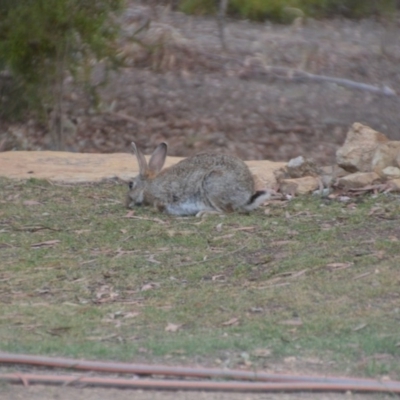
<point x="201" y="184"/>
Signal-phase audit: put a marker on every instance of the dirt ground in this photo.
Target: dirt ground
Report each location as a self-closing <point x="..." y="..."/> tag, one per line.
<point x="66" y="393"/>
<point x="190" y="92"/>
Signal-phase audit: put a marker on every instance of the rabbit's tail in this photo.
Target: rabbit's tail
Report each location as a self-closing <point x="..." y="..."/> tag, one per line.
<point x="256" y="200"/>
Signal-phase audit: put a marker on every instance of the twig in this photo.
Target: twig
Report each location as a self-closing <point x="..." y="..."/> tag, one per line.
<point x="159" y="221"/>
<point x="213" y="258"/>
<point x="223" y="5"/>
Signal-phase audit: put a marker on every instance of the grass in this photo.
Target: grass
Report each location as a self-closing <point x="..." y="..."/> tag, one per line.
<point x="310" y="282"/>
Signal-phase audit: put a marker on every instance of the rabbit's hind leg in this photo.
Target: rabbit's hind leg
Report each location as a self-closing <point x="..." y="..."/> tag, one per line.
<point x="223" y="192"/>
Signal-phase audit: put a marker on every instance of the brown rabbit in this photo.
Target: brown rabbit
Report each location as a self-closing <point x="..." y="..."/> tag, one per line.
<point x="204" y="183"/>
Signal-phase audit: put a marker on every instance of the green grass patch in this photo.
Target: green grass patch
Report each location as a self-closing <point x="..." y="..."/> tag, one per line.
<point x="310" y="281"/>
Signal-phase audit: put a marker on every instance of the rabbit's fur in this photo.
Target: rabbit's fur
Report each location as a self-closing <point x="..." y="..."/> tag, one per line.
<point x="204" y="183"/>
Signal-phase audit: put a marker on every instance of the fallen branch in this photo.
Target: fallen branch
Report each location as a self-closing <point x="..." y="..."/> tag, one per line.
<point x="295" y="74"/>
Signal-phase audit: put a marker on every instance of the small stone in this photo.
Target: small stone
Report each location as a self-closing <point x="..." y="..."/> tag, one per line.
<point x="385" y="155"/>
<point x="306" y="184"/>
<point x="299" y="167"/>
<point x="391" y="172"/>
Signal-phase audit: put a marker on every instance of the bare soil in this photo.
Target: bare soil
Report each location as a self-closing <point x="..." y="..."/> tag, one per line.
<point x="186" y="89"/>
<point x="68" y="393"/>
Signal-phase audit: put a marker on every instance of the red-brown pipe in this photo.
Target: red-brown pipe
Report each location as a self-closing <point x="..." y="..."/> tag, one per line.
<point x="390" y="387"/>
<point x="142" y="369"/>
<point x="260" y="381"/>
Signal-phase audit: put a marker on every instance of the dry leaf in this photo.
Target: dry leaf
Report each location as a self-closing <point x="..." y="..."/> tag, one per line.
<point x="172" y="327"/>
<point x="232" y="321"/>
<point x="326" y="227"/>
<point x="31" y="203"/>
<point x="152" y="259"/>
<point x="106" y="294"/>
<point x="380" y="254"/>
<point x="292" y="322"/>
<point x="359" y="327"/>
<point x="228" y="236"/>
<point x="131" y="315"/>
<point x="245" y="228"/>
<point x="281" y="242"/>
<point x="130" y="214"/>
<point x="123" y="231"/>
<point x="47" y="243"/>
<point x="339" y="265"/>
<point x="362" y="275"/>
<point x="101" y="338"/>
<point x="262" y="352"/>
<point x="297" y="274"/>
<point x="219" y="227"/>
<point x="149" y="286"/>
<point x="80" y="231"/>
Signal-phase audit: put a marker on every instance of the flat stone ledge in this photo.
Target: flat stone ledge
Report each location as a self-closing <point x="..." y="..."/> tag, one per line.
<point x="87" y="167"/>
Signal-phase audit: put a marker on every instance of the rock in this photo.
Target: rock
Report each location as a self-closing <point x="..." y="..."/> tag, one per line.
<point x="303" y="185"/>
<point x="358" y="180"/>
<point x="299" y="167"/>
<point x="391" y="172"/>
<point x="386" y="155"/>
<point x="265" y="171"/>
<point x="358" y="150"/>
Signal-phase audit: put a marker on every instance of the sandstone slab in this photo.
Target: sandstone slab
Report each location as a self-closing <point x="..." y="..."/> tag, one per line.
<point x="358" y="180"/>
<point x="85" y="167"/>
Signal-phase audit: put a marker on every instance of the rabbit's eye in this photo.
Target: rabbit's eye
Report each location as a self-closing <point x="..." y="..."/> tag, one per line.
<point x="131" y="185"/>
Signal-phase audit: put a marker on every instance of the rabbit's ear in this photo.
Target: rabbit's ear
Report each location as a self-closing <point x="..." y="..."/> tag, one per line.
<point x="158" y="157"/>
<point x="140" y="158"/>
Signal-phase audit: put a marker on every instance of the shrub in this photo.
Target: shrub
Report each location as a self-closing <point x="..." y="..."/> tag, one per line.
<point x="42" y="39"/>
<point x="277" y="10"/>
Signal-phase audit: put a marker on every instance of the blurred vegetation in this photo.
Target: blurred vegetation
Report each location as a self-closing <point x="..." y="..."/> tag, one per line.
<point x="286" y="10"/>
<point x="40" y="40"/>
